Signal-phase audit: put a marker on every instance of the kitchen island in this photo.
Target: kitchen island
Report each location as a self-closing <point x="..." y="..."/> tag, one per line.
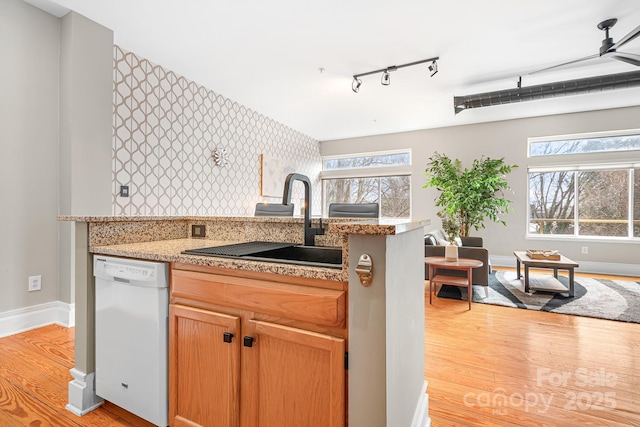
<point x="380" y="327"/>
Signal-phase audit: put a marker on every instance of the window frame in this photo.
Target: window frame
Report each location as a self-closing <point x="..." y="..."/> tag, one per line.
<point x="628" y="160"/>
<point x="368" y="172"/>
<point x="576" y="136"/>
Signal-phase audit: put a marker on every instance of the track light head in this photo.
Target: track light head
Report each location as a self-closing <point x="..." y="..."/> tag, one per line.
<point x="433" y="68"/>
<point x="355" y="85"/>
<point x="386" y="78"/>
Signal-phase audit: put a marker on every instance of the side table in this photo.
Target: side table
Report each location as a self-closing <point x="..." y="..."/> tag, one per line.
<point x="462" y="264"/>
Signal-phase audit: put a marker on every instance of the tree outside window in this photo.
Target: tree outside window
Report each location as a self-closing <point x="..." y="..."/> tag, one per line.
<point x="603" y="203"/>
<point x="375" y="185"/>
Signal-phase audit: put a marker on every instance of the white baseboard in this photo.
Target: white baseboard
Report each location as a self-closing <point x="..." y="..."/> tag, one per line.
<point x="617" y="269"/>
<point x="24" y="319"/>
<point x="421" y="415"/>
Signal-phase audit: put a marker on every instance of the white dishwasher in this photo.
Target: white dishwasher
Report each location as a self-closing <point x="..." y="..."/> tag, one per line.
<point x="132" y="305"/>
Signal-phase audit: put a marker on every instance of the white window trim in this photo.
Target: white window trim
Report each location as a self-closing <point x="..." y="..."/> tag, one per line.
<point x="370" y="172"/>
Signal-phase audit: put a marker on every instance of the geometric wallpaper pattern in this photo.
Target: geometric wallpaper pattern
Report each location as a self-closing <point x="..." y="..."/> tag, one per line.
<point x="166" y="128"/>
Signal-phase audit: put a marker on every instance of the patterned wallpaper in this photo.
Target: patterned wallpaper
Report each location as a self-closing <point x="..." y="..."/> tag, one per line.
<point x="165" y="131"/>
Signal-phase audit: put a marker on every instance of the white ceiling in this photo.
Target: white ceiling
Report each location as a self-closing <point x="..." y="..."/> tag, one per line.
<point x="266" y="54"/>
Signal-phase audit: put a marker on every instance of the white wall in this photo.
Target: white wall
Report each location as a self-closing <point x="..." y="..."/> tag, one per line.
<point x="29" y="42"/>
<point x="506" y="139"/>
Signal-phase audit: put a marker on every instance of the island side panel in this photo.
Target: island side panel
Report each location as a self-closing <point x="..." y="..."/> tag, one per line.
<point x="407" y="403"/>
<point x="82" y="396"/>
<point x="367" y="336"/>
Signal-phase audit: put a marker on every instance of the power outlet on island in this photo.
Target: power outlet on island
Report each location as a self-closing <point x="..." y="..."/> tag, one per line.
<point x="585" y="250"/>
<point x="35" y="283"/>
<point x="198" y="230"/>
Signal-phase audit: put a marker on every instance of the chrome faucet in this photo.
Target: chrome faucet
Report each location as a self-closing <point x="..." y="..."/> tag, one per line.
<point x="309" y="231"/>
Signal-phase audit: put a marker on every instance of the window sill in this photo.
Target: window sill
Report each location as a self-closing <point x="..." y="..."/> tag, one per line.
<point x="584" y="239"/>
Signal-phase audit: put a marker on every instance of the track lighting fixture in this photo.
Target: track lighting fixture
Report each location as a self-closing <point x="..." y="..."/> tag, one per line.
<point x="433" y="68"/>
<point x="355" y="85"/>
<point x="386" y="77"/>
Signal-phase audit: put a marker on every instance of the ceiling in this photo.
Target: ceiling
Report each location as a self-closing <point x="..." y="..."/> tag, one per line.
<point x="294" y="60"/>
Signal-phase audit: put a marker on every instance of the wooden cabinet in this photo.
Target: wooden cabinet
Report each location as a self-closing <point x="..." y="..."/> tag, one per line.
<point x="204" y="355"/>
<point x="256" y="351"/>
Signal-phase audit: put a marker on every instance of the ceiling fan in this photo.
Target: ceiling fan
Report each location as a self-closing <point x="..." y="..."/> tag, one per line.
<point x="609" y="49"/>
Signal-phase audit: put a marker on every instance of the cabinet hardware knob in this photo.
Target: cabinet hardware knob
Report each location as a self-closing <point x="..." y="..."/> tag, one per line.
<point x="248" y="341"/>
<point x="227" y="337"/>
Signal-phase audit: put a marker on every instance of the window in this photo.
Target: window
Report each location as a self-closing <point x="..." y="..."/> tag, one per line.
<point x="383" y="177"/>
<point x="589" y="199"/>
<point x="596" y="143"/>
<point x="367" y="160"/>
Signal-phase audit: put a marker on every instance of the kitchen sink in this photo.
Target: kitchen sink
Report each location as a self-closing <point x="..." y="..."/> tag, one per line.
<point x="305" y="255"/>
<point x="288" y="253"/>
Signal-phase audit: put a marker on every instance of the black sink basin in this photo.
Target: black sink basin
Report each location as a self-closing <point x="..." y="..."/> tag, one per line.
<point x="288" y="253"/>
<point x="305" y="255"/>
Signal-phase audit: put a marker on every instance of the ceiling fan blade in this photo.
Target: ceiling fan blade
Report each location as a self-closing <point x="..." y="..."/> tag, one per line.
<point x="630" y="58"/>
<point x="564" y="64"/>
<point x="632" y="35"/>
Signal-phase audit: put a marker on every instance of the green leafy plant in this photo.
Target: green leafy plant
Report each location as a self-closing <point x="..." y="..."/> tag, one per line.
<point x="469" y="196"/>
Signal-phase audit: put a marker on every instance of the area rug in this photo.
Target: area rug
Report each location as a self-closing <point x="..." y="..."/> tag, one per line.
<point x="605" y="299"/>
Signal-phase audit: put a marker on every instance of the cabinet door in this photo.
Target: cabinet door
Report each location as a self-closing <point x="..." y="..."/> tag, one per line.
<point x="204" y="368"/>
<point x="292" y="378"/>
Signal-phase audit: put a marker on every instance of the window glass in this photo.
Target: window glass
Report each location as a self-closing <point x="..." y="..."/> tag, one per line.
<point x="392" y="193"/>
<point x="364" y="161"/>
<point x="551" y="202"/>
<point x="380" y="177"/>
<point x="585" y="145"/>
<point x="636" y="203"/>
<point x="394" y="196"/>
<point x="603" y="203"/>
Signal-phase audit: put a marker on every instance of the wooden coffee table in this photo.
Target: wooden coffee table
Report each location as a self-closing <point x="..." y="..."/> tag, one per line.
<point x="563" y="263"/>
<point x="463" y="264"/>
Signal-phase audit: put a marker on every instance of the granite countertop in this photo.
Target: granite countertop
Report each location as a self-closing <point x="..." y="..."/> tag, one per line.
<point x="337" y="225"/>
<point x="150" y="238"/>
<point x="170" y="251"/>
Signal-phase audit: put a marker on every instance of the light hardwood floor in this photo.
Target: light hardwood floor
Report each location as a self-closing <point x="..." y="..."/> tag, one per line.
<point x="501" y="366"/>
<point x="491" y="366"/>
<point x="34" y="374"/>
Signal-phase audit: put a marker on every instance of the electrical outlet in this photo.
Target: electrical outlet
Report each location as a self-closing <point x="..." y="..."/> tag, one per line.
<point x="585" y="249"/>
<point x="35" y="283"/>
<point x="124" y="191"/>
<point x="198" y="230"/>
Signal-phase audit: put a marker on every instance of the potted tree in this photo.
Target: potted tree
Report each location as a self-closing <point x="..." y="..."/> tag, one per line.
<point x="469" y="196"/>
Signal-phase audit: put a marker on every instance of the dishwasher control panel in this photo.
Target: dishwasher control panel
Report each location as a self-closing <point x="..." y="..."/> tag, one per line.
<point x="130" y="271"/>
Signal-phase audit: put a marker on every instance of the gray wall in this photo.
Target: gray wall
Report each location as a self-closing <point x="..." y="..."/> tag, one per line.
<point x="56" y="133"/>
<point x="29" y="42"/>
<point x="506" y="139"/>
<point x="86" y="117"/>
